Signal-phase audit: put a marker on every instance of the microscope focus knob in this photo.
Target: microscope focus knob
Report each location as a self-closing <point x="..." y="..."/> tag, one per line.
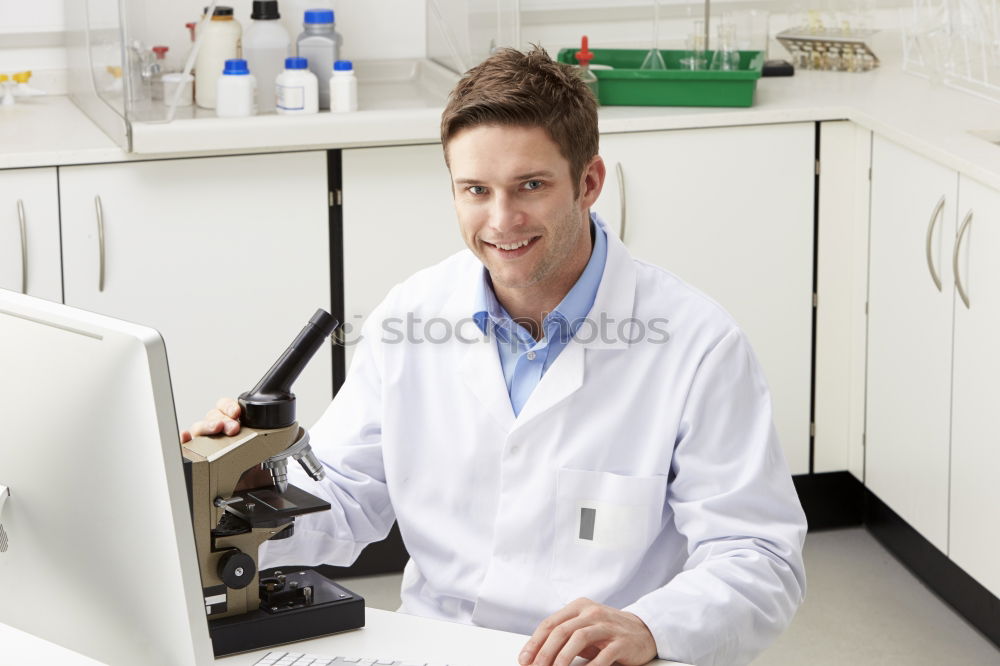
<point x="237" y="569"/>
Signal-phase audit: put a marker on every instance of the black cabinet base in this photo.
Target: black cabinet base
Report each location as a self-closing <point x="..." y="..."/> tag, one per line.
<point x="335" y="609"/>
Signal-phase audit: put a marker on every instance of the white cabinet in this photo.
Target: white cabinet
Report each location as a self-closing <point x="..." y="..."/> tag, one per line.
<point x="398" y="218"/>
<point x="730" y="211"/>
<point x="975" y="453"/>
<point x="29" y="232"/>
<point x="227" y="257"/>
<point x="913" y="208"/>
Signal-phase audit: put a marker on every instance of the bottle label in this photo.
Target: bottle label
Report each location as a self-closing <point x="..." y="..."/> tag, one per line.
<point x="290" y="98"/>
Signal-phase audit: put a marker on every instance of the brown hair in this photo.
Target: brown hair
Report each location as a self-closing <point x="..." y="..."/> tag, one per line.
<point x="527" y="90"/>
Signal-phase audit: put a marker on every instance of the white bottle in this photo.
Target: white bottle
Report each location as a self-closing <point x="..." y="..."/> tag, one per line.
<point x="266" y="44"/>
<point x="236" y="91"/>
<point x="343" y="87"/>
<point x="220" y="41"/>
<point x="296" y="91"/>
<point x="319" y="43"/>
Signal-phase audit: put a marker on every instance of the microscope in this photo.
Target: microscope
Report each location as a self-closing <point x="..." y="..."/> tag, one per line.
<point x="248" y="609"/>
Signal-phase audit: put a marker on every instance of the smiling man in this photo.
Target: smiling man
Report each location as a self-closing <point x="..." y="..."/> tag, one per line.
<point x="590" y="458"/>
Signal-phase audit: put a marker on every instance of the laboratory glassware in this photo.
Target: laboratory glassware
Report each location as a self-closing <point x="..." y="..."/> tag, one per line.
<point x="653" y="59"/>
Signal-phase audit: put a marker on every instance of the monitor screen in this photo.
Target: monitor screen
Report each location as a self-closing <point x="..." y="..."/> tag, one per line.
<point x="99" y="552"/>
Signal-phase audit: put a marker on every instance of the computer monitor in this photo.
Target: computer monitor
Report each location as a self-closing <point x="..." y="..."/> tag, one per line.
<point x="98" y="553"/>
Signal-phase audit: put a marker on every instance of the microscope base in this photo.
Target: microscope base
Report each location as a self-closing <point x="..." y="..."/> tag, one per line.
<point x="333" y="609"/>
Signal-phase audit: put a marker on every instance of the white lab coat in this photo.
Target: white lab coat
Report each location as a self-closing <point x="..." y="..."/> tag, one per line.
<point x="646" y="476"/>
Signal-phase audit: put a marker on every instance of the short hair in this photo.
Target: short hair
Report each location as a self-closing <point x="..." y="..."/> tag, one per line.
<point x="527" y="90"/>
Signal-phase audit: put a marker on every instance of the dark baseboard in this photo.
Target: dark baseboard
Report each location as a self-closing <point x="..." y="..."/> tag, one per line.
<point x="831" y="500"/>
<point x="955" y="587"/>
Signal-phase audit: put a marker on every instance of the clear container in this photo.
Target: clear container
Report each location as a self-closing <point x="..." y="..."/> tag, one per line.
<point x="220" y="42"/>
<point x="296" y="90"/>
<point x="266" y="44"/>
<point x="319" y="43"/>
<point x="235" y="91"/>
<point x="343" y="87"/>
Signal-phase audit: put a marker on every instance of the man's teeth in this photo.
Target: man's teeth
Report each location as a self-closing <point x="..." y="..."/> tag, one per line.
<point x="513" y="246"/>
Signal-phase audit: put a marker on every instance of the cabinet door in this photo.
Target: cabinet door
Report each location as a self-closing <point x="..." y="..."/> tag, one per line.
<point x="975" y="453"/>
<point x="399" y="217"/>
<point x="730" y="211"/>
<point x="909" y="337"/>
<point x="227" y="257"/>
<point x="29" y="233"/>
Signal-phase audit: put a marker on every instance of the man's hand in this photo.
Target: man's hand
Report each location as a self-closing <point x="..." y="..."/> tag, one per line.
<point x="225" y="418"/>
<point x="587" y="629"/>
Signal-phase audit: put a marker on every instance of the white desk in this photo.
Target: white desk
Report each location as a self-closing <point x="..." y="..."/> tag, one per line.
<point x="386" y="634"/>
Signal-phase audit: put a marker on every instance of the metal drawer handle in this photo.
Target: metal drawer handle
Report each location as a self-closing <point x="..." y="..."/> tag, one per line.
<point x="930" y="234"/>
<point x="24" y="246"/>
<point x="621" y="198"/>
<point x="954" y="259"/>
<point x="100" y="241"/>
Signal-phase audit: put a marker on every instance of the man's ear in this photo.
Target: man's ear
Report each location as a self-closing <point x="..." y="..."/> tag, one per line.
<point x="592" y="181"/>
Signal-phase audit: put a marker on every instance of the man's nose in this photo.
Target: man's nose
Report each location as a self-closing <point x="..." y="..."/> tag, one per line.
<point x="505" y="214"/>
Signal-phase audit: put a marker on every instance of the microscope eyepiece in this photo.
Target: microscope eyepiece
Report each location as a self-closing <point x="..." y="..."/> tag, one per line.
<point x="271" y="404"/>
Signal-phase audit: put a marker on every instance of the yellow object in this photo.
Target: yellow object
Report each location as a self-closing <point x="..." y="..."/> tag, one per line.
<point x="115" y="71"/>
<point x="3" y="78"/>
<point x="22" y="77"/>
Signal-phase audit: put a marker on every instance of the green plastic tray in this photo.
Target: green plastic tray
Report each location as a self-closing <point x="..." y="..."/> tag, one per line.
<point x="627" y="85"/>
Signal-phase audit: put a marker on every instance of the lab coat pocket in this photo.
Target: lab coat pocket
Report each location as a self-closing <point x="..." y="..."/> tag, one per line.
<point x="604" y="524"/>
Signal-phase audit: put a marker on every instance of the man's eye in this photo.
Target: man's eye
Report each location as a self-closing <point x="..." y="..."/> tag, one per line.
<point x="477" y="189"/>
<point x="533" y="184"/>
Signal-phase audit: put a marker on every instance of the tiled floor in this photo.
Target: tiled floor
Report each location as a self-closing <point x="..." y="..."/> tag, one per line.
<point x="863" y="608"/>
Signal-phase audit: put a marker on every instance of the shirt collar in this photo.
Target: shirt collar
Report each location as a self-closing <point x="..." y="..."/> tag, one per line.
<point x="573" y="307"/>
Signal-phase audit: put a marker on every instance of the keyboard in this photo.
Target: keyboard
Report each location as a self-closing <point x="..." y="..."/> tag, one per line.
<point x="299" y="659"/>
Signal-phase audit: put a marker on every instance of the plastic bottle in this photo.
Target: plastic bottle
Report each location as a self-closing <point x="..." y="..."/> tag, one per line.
<point x="584" y="56"/>
<point x="319" y="43"/>
<point x="296" y="91"/>
<point x="343" y="87"/>
<point x="236" y="93"/>
<point x="265" y="47"/>
<point x="219" y="43"/>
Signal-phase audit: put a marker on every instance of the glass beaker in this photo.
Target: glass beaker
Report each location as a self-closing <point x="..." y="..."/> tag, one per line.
<point x="695" y="58"/>
<point x="726" y="57"/>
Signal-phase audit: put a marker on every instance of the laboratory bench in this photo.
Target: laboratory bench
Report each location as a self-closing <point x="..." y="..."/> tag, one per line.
<point x="847" y="220"/>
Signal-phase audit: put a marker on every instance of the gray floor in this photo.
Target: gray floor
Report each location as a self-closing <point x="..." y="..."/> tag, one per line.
<point x="863" y="608"/>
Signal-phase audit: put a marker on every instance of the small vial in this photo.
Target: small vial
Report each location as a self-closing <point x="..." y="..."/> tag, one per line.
<point x="235" y="92"/>
<point x="343" y="87"/>
<point x="296" y="90"/>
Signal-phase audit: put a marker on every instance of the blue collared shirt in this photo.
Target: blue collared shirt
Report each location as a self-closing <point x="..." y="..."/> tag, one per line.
<point x="523" y="359"/>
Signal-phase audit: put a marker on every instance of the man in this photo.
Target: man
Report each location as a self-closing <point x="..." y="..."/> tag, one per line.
<point x="589" y="455"/>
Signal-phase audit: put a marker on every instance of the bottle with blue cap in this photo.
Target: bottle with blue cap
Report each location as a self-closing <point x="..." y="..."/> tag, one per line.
<point x="296" y="89"/>
<point x="319" y="43"/>
<point x="343" y="87"/>
<point x="236" y="90"/>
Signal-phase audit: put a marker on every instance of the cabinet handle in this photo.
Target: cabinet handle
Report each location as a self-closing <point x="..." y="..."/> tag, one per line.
<point x="930" y="234"/>
<point x="24" y="246"/>
<point x="954" y="259"/>
<point x="621" y="198"/>
<point x="100" y="241"/>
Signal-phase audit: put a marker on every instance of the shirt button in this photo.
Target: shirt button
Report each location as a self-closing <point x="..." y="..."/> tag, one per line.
<point x="531" y="356"/>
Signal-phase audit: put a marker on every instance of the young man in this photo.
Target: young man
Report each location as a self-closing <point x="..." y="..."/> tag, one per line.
<point x="588" y="454"/>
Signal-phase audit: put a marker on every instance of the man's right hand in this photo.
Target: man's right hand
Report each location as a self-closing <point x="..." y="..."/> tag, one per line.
<point x="225" y="419"/>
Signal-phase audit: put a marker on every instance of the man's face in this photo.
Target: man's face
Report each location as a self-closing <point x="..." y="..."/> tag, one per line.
<point x="516" y="207"/>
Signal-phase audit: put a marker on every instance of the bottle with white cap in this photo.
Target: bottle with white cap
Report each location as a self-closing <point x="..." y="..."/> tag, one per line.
<point x="220" y="42"/>
<point x="343" y="87"/>
<point x="236" y="91"/>
<point x="296" y="91"/>
<point x="319" y="43"/>
<point x="266" y="44"/>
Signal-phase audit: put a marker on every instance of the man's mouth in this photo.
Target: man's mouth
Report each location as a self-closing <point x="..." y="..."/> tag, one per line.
<point x="514" y="247"/>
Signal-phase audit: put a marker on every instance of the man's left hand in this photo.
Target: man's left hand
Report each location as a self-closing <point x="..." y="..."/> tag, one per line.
<point x="587" y="629"/>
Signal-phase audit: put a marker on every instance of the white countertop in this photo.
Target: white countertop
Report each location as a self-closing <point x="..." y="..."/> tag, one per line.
<point x="932" y="120"/>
